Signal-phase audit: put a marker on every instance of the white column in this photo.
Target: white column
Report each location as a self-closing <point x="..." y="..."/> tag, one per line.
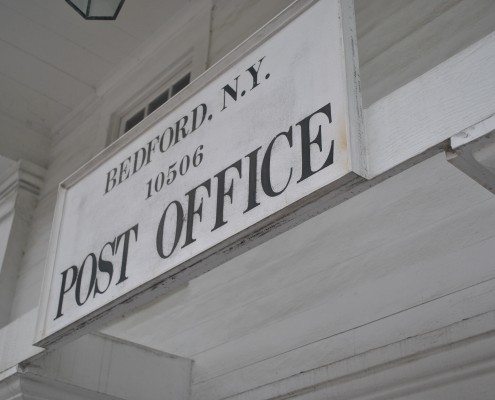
<point x="20" y="186"/>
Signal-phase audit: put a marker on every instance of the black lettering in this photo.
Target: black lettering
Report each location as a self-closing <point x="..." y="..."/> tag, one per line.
<point x="191" y="211"/>
<point x="64" y="290"/>
<point x="106" y="267"/>
<point x="181" y="129"/>
<point x="253" y="180"/>
<point x="124" y="171"/>
<point x="141" y="151"/>
<point x="227" y="89"/>
<point x="125" y="251"/>
<point x="306" y="143"/>
<point x="254" y="73"/>
<point x="151" y="148"/>
<point x="111" y="178"/>
<point x="195" y="123"/>
<point x="171" y="137"/>
<point x="266" y="180"/>
<point x="92" y="280"/>
<point x="161" y="229"/>
<point x="221" y="193"/>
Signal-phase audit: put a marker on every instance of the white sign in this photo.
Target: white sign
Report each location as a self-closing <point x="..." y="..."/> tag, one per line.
<point x="255" y="141"/>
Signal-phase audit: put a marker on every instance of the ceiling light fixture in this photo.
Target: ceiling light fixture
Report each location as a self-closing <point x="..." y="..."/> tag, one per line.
<point x="97" y="9"/>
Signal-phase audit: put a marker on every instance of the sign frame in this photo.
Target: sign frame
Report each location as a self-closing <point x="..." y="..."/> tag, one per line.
<point x="293" y="214"/>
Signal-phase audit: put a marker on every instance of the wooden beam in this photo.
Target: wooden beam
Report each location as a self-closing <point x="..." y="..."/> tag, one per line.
<point x="434" y="107"/>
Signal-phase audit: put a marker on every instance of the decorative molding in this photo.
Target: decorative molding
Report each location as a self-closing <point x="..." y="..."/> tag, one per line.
<point x="23" y="176"/>
<point x="10" y="387"/>
<point x="20" y="188"/>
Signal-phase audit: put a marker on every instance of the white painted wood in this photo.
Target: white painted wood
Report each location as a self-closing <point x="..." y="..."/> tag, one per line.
<point x="63" y="58"/>
<point x="251" y="119"/>
<point x="52" y="49"/>
<point x="355" y="114"/>
<point x="5" y="164"/>
<point x="422" y="42"/>
<point x="187" y="33"/>
<point x="434" y="359"/>
<point x="402" y="17"/>
<point x="443" y="196"/>
<point x="244" y="280"/>
<point x="432" y="108"/>
<point x="18" y="142"/>
<point x="32" y="265"/>
<point x="476" y="157"/>
<point x="96" y="367"/>
<point x="27" y="106"/>
<point x="56" y="85"/>
<point x="370" y="15"/>
<point x="70" y="152"/>
<point x="186" y="38"/>
<point x="235" y="20"/>
<point x="115" y="368"/>
<point x="19" y="190"/>
<point x="333" y="274"/>
<point x="99" y="369"/>
<point x="103" y="40"/>
<point x="140" y="20"/>
<point x="345" y="307"/>
<point x="36" y="387"/>
<point x="16" y="338"/>
<point x="473" y="132"/>
<point x="335" y="349"/>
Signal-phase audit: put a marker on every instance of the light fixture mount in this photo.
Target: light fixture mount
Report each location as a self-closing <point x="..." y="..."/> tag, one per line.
<point x="97" y="9"/>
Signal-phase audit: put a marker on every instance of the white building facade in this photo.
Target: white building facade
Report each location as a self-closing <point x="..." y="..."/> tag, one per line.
<point x="382" y="288"/>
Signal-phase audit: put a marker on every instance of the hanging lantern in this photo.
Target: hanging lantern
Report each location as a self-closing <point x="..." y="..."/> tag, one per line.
<point x="97" y="9"/>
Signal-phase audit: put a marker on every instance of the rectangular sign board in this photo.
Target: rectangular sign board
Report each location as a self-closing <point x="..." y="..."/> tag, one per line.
<point x="244" y="150"/>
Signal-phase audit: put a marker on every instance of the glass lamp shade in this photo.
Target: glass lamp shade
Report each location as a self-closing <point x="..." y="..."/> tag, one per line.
<point x="97" y="9"/>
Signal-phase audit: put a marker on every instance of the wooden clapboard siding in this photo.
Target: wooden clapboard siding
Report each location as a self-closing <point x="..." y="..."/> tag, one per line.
<point x="442" y="107"/>
<point x="329" y="275"/>
<point x="307" y="262"/>
<point x="412" y="41"/>
<point x="384" y="266"/>
<point x="234" y="20"/>
<point x="141" y="20"/>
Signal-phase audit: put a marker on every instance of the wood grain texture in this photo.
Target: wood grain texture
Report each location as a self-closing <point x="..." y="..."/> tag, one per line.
<point x="451" y="97"/>
<point x="333" y="274"/>
<point x="404" y="258"/>
<point x="415" y="38"/>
